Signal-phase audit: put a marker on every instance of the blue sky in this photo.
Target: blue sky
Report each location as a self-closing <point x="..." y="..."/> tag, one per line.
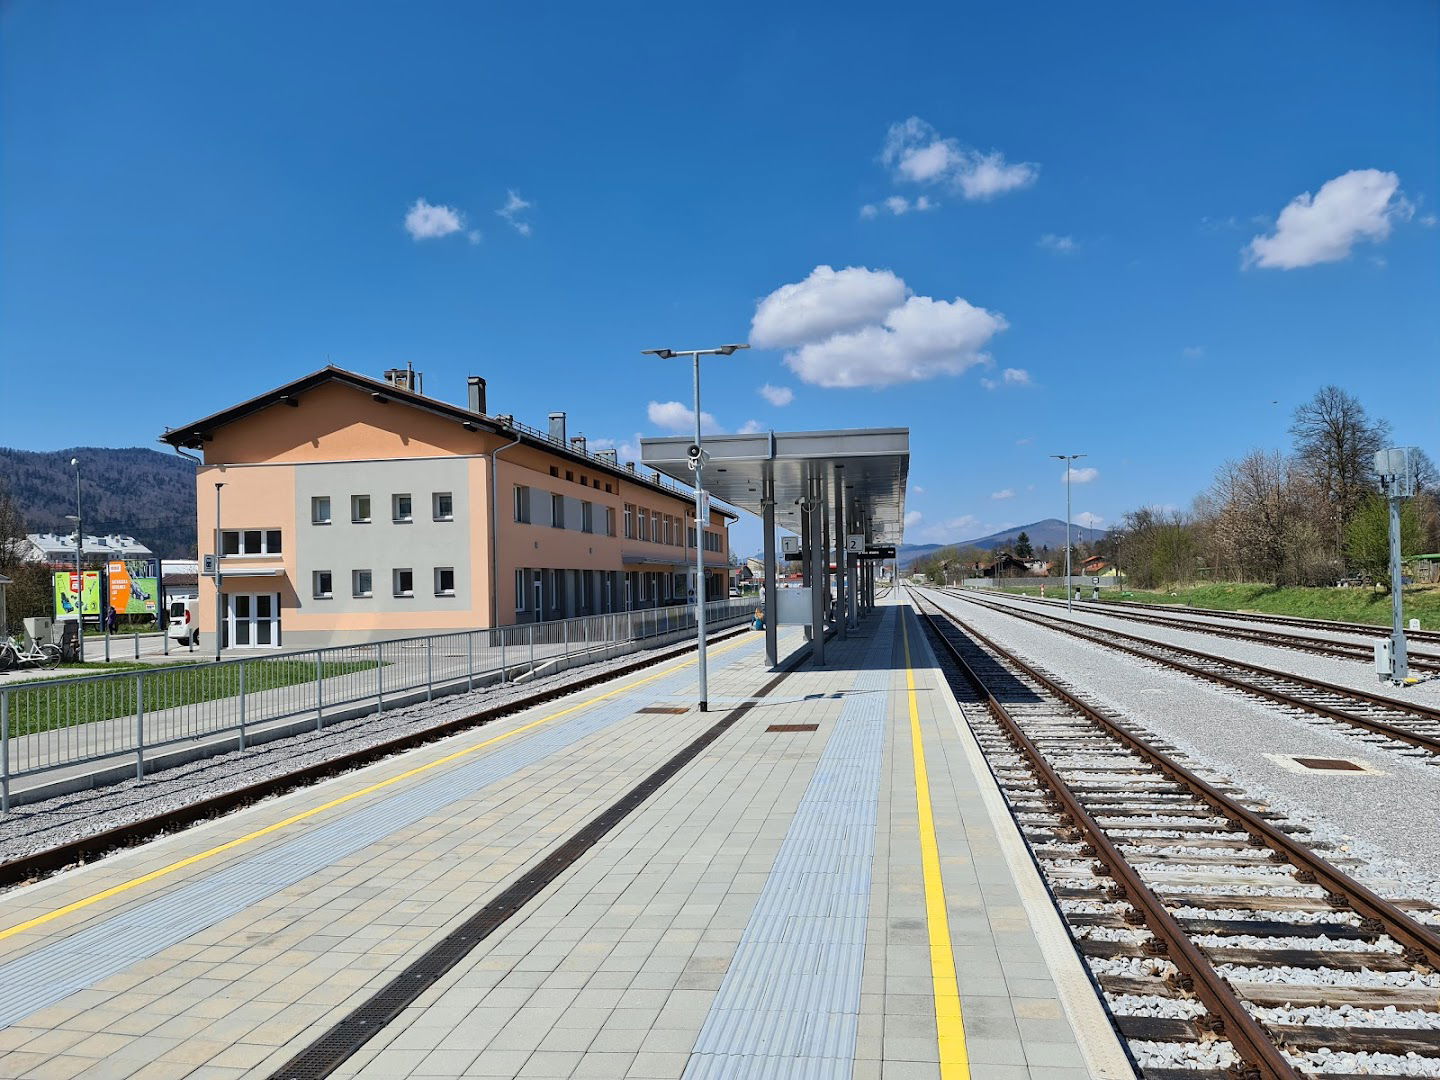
<point x="202" y="201"/>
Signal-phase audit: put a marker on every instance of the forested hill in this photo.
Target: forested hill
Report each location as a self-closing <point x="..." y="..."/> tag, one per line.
<point x="131" y="490"/>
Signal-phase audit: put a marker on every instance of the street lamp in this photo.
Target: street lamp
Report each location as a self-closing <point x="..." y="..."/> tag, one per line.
<point x="79" y="569"/>
<point x="1069" y="468"/>
<point x="219" y="601"/>
<point x="697" y="462"/>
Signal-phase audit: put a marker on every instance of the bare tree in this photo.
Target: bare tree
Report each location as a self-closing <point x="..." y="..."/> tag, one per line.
<point x="12" y="529"/>
<point x="1335" y="444"/>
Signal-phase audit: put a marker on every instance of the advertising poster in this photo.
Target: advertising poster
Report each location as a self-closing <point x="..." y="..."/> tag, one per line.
<point x="65" y="593"/>
<point x="131" y="593"/>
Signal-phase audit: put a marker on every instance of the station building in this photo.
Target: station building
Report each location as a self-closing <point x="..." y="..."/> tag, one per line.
<point x="352" y="509"/>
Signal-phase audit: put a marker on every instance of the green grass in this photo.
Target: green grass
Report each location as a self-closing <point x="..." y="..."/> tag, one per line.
<point x="34" y="708"/>
<point x="1347" y="605"/>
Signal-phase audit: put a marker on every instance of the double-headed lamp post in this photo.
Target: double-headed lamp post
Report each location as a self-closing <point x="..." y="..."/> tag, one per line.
<point x="1069" y="459"/>
<point x="79" y="570"/>
<point x="697" y="462"/>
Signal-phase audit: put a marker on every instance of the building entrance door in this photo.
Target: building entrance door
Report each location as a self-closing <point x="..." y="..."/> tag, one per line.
<point x="252" y="620"/>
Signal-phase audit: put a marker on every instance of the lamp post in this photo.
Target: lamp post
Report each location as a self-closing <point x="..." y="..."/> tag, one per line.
<point x="1395" y="469"/>
<point x="219" y="600"/>
<point x="697" y="462"/>
<point x="79" y="568"/>
<point x="1069" y="468"/>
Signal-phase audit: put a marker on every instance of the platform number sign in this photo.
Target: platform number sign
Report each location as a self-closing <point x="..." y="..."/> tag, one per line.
<point x="854" y="543"/>
<point x="790" y="545"/>
<point x="1094" y="581"/>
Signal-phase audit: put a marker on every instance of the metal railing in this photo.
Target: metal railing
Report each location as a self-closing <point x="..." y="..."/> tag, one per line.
<point x="52" y="724"/>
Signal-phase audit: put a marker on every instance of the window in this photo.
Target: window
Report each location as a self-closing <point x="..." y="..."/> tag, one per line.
<point x="444" y="581"/>
<point x="609" y="521"/>
<point x="519" y="590"/>
<point x="690" y="536"/>
<point x="557" y="511"/>
<point x="360" y="583"/>
<point x="323" y="587"/>
<point x="320" y="510"/>
<point x="629" y="521"/>
<point x="401" y="509"/>
<point x="644" y="524"/>
<point x="669" y="529"/>
<point x="587" y="517"/>
<point x="360" y="509"/>
<point x="570" y="475"/>
<point x="522" y="503"/>
<point x="404" y="580"/>
<point x="555" y="471"/>
<point x="250" y="542"/>
<point x="655" y="525"/>
<point x="442" y="505"/>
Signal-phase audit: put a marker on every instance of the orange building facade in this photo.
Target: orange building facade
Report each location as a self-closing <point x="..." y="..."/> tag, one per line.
<point x="352" y="509"/>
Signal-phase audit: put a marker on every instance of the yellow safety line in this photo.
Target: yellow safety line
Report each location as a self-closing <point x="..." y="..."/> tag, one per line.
<point x="126" y="886"/>
<point x="949" y="1023"/>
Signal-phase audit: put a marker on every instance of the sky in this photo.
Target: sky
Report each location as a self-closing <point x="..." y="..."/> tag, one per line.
<point x="1140" y="232"/>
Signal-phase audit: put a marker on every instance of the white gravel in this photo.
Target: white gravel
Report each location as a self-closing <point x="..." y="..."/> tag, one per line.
<point x="1348" y="1016"/>
<point x="1325" y="1061"/>
<point x="1386" y="819"/>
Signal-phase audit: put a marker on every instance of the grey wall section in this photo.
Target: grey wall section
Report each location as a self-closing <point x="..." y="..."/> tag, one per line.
<point x="383" y="545"/>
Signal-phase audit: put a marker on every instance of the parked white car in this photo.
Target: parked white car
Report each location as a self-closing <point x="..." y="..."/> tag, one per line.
<point x="184" y="620"/>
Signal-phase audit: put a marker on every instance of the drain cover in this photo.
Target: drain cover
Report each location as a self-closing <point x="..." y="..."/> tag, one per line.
<point x="1329" y="763"/>
<point x="793" y="727"/>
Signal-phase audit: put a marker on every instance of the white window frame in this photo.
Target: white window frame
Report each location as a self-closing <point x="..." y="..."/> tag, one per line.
<point x="435" y="513"/>
<point x="316" y="591"/>
<point x="396" y="515"/>
<point x="629" y="521"/>
<point x="396" y="590"/>
<point x="440" y="591"/>
<point x="316" y="518"/>
<point x="522" y="504"/>
<point x="557" y="510"/>
<point x="355" y="518"/>
<point x="520" y="590"/>
<point x="264" y="551"/>
<point x="356" y="591"/>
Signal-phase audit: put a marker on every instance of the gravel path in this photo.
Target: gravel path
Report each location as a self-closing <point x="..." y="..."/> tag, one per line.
<point x="1354" y="673"/>
<point x="1386" y="818"/>
<point x="37" y="826"/>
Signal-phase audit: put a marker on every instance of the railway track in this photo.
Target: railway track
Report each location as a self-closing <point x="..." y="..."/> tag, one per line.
<point x="1226" y="948"/>
<point x="1349" y="650"/>
<point x="1415" y="726"/>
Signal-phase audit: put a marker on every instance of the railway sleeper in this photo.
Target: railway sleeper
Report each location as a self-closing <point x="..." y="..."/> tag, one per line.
<point x="1262" y="958"/>
<point x="1374" y="1040"/>
<point x="1280" y="995"/>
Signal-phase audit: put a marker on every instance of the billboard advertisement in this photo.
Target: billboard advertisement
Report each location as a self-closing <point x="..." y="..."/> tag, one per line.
<point x="132" y="590"/>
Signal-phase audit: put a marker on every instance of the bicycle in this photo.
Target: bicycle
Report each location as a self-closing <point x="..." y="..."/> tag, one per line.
<point x="32" y="654"/>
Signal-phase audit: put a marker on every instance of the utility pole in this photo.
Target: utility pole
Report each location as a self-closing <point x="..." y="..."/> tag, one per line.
<point x="79" y="568"/>
<point x="1069" y="468"/>
<point x="219" y="600"/>
<point x="1395" y="468"/>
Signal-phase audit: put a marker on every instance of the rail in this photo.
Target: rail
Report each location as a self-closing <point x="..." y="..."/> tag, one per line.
<point x="56" y="724"/>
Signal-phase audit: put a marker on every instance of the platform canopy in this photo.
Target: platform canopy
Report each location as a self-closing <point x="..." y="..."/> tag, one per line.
<point x="870" y="466"/>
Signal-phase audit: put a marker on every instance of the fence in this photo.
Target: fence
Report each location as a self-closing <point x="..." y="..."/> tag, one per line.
<point x="1054" y="586"/>
<point x="53" y="724"/>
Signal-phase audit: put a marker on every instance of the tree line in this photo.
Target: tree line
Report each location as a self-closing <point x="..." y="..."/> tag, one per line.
<point x="1312" y="516"/>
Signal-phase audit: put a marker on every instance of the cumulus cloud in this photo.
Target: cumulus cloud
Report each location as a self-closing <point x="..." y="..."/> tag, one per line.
<point x="750" y="427"/>
<point x="1011" y="376"/>
<point x="1079" y="476"/>
<point x="861" y="327"/>
<point x="1003" y="493"/>
<point x="869" y="210"/>
<point x="1089" y="520"/>
<point x="950" y="529"/>
<point x="779" y="396"/>
<point x="917" y="153"/>
<point x="427" y="221"/>
<point x="913" y="517"/>
<point x="1061" y="245"/>
<point x="680" y="418"/>
<point x="827" y="302"/>
<point x="625" y="449"/>
<point x="1358" y="205"/>
<point x="513" y="208"/>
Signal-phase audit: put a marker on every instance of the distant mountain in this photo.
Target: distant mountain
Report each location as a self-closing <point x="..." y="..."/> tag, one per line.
<point x="133" y="491"/>
<point x="1047" y="533"/>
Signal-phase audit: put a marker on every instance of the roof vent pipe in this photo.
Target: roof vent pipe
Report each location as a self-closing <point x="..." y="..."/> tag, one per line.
<point x="578" y="443"/>
<point x="476" y="400"/>
<point x="557" y="427"/>
<point x="611" y="455"/>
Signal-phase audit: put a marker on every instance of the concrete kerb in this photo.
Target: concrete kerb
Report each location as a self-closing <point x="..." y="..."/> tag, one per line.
<point x="122" y="767"/>
<point x="1105" y="1056"/>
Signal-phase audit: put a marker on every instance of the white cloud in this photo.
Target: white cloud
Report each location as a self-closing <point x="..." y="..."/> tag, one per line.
<point x="861" y="327"/>
<point x="869" y="210"/>
<point x="1004" y="493"/>
<point x="1089" y="520"/>
<point x="426" y="221"/>
<point x="513" y="208"/>
<point x="625" y="450"/>
<point x="1428" y="220"/>
<point x="917" y="489"/>
<point x="827" y="302"/>
<point x="1355" y="206"/>
<point x="1193" y="352"/>
<point x="913" y="517"/>
<point x="898" y="204"/>
<point x="779" y="396"/>
<point x="917" y="153"/>
<point x="474" y="236"/>
<point x="950" y="530"/>
<point x="750" y="427"/>
<point x="1079" y="476"/>
<point x="1061" y="245"/>
<point x="1009" y="377"/>
<point x="680" y="418"/>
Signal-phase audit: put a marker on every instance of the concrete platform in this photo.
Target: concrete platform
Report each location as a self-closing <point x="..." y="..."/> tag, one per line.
<point x="848" y="901"/>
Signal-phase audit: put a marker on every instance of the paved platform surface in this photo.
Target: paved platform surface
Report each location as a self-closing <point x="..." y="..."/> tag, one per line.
<point x="835" y="902"/>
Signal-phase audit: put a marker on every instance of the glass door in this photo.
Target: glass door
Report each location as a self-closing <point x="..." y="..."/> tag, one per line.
<point x="253" y="620"/>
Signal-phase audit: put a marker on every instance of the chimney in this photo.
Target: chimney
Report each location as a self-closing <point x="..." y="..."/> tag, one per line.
<point x="406" y="378"/>
<point x="611" y="455"/>
<point x="630" y="465"/>
<point x="476" y="399"/>
<point x="577" y="442"/>
<point x="557" y="427"/>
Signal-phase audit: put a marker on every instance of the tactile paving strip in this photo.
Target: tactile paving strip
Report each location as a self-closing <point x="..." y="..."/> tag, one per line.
<point x="789" y="1005"/>
<point x="55" y="970"/>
